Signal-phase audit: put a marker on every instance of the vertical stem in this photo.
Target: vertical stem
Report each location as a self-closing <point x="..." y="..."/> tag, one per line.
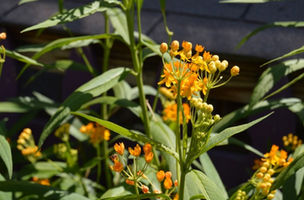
<point x="181" y="185"/>
<point x="99" y="164"/>
<point x="177" y="131"/>
<point x="138" y="69"/>
<point x="106" y="164"/>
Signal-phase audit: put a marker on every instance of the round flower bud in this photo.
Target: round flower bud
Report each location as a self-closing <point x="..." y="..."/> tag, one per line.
<point x="210" y="108"/>
<point x="200" y="100"/>
<point x="175" y="183"/>
<point x="222" y="67"/>
<point x="216" y="118"/>
<point x="270" y="196"/>
<point x="225" y="62"/>
<point x="188" y="54"/>
<point x="217" y="63"/>
<point x="160" y="175"/>
<point x="215" y="57"/>
<point x="174" y="45"/>
<point x="270" y="171"/>
<point x="234" y="70"/>
<point x="145" y="189"/>
<point x="266" y="164"/>
<point x="260" y="175"/>
<point x="212" y="69"/>
<point x="263" y="169"/>
<point x="2" y="36"/>
<point x="168" y="174"/>
<point x="163" y="47"/>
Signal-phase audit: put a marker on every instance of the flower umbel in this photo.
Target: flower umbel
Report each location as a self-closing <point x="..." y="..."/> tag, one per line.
<point x="96" y="132"/>
<point x="27" y="146"/>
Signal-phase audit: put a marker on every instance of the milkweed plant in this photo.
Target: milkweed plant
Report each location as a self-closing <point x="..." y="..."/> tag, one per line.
<point x="91" y="156"/>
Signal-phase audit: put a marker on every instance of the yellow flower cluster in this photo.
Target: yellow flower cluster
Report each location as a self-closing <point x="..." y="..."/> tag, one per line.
<point x="96" y="132"/>
<point x="274" y="162"/>
<point x="131" y="177"/>
<point x="241" y="195"/>
<point x="291" y="142"/>
<point x="195" y="73"/>
<point x="170" y="112"/>
<point x="27" y="146"/>
<point x="63" y="132"/>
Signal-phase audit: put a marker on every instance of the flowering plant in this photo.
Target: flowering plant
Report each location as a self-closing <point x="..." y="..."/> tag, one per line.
<point x="94" y="164"/>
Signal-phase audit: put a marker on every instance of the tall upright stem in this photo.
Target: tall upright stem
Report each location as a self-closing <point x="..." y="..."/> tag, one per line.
<point x="177" y="131"/>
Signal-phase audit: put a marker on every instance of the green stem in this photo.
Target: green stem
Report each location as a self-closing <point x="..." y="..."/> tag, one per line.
<point x="181" y="185"/>
<point x="86" y="61"/>
<point x="170" y="33"/>
<point x="99" y="163"/>
<point x="177" y="131"/>
<point x="106" y="164"/>
<point x="138" y="69"/>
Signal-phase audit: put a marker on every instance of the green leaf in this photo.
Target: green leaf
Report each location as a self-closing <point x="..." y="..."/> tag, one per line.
<point x="215" y="140"/>
<point x="292" y="53"/>
<point x="270" y="25"/>
<point x="21" y="58"/>
<point x="129" y="134"/>
<point x="240" y="113"/>
<point x="26" y="1"/>
<point x="293" y="167"/>
<point x="298" y="109"/>
<point x="122" y="90"/>
<point x="285" y="86"/>
<point x="248" y="1"/>
<point x="207" y="187"/>
<point x="5" y="150"/>
<point x="119" y="22"/>
<point x="65" y="41"/>
<point x="110" y="101"/>
<point x="43" y="192"/>
<point x="91" y="163"/>
<point x="271" y="76"/>
<point x="83" y="94"/>
<point x="212" y="173"/>
<point x="234" y="141"/>
<point x="115" y="192"/>
<point x="5" y="195"/>
<point x="75" y="14"/>
<point x="163" y="134"/>
<point x="12" y="107"/>
<point x="148" y="90"/>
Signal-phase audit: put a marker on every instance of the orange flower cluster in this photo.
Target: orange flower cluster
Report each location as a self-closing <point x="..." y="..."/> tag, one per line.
<point x="168" y="184"/>
<point x="170" y="112"/>
<point x="27" y="146"/>
<point x="96" y="132"/>
<point x="276" y="157"/>
<point x="41" y="181"/>
<point x="195" y="73"/>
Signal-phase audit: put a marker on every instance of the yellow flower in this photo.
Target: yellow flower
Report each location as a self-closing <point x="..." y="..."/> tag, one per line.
<point x="120" y="148"/>
<point x="117" y="167"/>
<point x="136" y="152"/>
<point x="168" y="79"/>
<point x="170" y="113"/>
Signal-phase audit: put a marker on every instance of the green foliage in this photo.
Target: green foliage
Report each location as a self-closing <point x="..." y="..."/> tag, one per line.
<point x="5" y="150"/>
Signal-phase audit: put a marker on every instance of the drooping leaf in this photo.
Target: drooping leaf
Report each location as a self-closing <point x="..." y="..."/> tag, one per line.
<point x="207" y="187"/>
<point x="271" y="76"/>
<point x="110" y="101"/>
<point x="75" y="14"/>
<point x="134" y="135"/>
<point x="292" y="53"/>
<point x="83" y="94"/>
<point x="248" y="1"/>
<point x="212" y="173"/>
<point x="21" y="58"/>
<point x="285" y="86"/>
<point x="119" y="21"/>
<point x="234" y="141"/>
<point x="240" y="113"/>
<point x="5" y="150"/>
<point x="213" y="141"/>
<point x="26" y="1"/>
<point x="43" y="192"/>
<point x="61" y="42"/>
<point x="270" y="25"/>
<point x="122" y="90"/>
<point x="293" y="167"/>
<point x="12" y="107"/>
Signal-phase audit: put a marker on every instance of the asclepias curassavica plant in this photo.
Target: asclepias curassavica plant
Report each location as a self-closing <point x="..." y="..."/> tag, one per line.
<point x="166" y="170"/>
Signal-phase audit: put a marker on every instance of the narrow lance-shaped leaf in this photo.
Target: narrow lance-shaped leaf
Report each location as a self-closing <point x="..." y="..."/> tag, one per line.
<point x="292" y="53"/>
<point x="130" y="134"/>
<point x="21" y="58"/>
<point x="5" y="151"/>
<point x="270" y="25"/>
<point x="208" y="188"/>
<point x="213" y="141"/>
<point x="66" y="41"/>
<point x="119" y="21"/>
<point x="83" y="94"/>
<point x="294" y="166"/>
<point x="42" y="191"/>
<point x="212" y="173"/>
<point x="273" y="75"/>
<point x="75" y="13"/>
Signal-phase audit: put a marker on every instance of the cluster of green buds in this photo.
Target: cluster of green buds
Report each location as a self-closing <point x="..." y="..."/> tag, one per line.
<point x="64" y="150"/>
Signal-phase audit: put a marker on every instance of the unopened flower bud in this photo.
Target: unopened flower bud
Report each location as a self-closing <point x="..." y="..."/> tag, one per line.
<point x="129" y="182"/>
<point x="174" y="45"/>
<point x="210" y="108"/>
<point x="212" y="68"/>
<point x="160" y="175"/>
<point x="187" y="46"/>
<point x="270" y="196"/>
<point x="234" y="70"/>
<point x="217" y="118"/>
<point x="188" y="54"/>
<point x="145" y="189"/>
<point x="163" y="47"/>
<point x="168" y="174"/>
<point x="222" y="67"/>
<point x="215" y="57"/>
<point x="2" y="36"/>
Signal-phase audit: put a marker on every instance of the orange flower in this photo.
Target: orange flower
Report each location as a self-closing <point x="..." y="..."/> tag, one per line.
<point x="136" y="152"/>
<point x="147" y="148"/>
<point x="160" y="175"/>
<point x="176" y="197"/>
<point x="96" y="132"/>
<point x="170" y="113"/>
<point x="119" y="148"/>
<point x="187" y="46"/>
<point x="129" y="182"/>
<point x="168" y="183"/>
<point x="149" y="157"/>
<point x="168" y="79"/>
<point x="117" y="167"/>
